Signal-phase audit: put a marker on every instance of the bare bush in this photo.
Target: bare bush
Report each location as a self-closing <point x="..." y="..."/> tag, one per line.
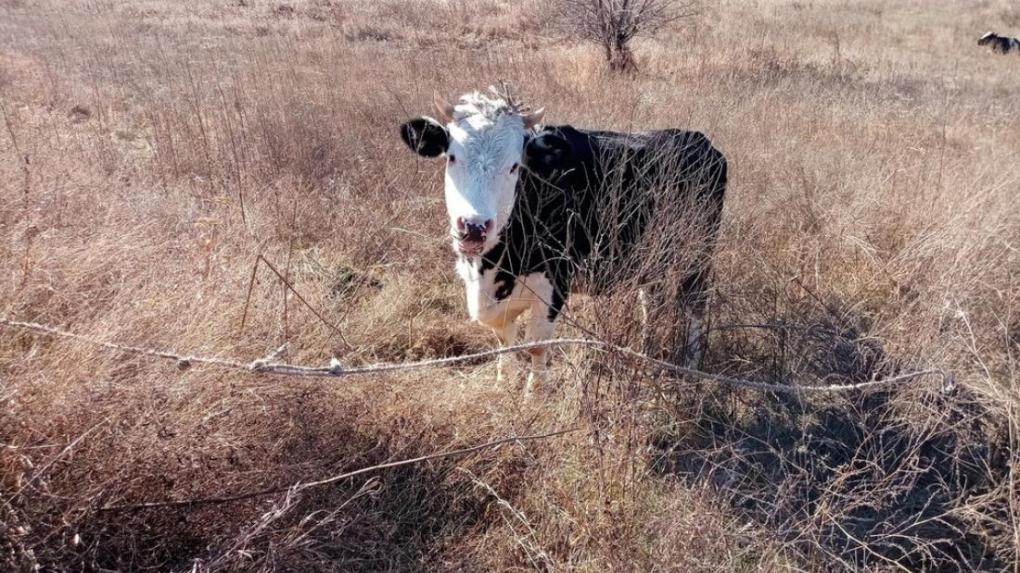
<point x="613" y="24"/>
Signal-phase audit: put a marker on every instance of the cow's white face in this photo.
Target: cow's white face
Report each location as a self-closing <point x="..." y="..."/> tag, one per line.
<point x="482" y="167"/>
<point x="483" y="143"/>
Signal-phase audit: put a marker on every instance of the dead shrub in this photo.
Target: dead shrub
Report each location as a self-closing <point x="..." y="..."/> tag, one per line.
<point x="613" y="24"/>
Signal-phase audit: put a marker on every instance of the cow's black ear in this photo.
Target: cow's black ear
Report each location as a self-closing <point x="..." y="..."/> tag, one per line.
<point x="425" y="136"/>
<point x="546" y="153"/>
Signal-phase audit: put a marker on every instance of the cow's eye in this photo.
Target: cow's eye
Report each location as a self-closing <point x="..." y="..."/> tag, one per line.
<point x="513" y="168"/>
<point x="453" y="158"/>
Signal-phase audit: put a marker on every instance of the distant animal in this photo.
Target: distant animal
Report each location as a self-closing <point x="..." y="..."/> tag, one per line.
<point x="531" y="205"/>
<point x="1002" y="44"/>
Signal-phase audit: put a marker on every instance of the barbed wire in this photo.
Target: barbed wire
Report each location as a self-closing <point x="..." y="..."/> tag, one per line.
<point x="335" y="369"/>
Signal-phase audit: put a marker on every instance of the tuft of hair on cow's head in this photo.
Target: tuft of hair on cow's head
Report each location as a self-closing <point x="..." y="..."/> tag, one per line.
<point x="483" y="139"/>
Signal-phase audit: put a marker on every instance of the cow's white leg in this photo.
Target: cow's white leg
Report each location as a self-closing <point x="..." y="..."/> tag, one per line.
<point x="695" y="303"/>
<point x="533" y="292"/>
<point x="643" y="306"/>
<point x="505" y="329"/>
<point x="695" y="339"/>
<point x="484" y="307"/>
<point x="539" y="329"/>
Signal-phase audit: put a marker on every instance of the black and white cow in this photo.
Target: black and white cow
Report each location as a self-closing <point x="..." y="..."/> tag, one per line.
<point x="528" y="207"/>
<point x="1003" y="44"/>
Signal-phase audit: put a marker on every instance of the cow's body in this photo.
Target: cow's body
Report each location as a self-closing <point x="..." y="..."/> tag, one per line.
<point x="580" y="206"/>
<point x="1001" y="44"/>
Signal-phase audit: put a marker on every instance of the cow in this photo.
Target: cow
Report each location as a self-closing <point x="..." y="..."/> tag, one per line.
<point x="1002" y="44"/>
<point x="532" y="207"/>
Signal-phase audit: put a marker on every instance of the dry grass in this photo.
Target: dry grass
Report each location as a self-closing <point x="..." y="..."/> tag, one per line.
<point x="152" y="150"/>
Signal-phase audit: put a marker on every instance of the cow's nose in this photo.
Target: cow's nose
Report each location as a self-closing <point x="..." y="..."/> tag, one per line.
<point x="475" y="233"/>
<point x="472" y="230"/>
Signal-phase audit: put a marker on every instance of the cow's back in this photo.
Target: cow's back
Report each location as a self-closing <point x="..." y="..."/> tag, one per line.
<point x="630" y="180"/>
<point x="588" y="219"/>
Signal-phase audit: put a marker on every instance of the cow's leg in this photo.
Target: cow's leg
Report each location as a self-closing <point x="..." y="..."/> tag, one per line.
<point x="694" y="295"/>
<point x="644" y="305"/>
<point x="540" y="328"/>
<point x="504" y="326"/>
<point x="490" y="301"/>
<point x="694" y="300"/>
<point x="652" y="301"/>
<point x="695" y="338"/>
<point x="546" y="304"/>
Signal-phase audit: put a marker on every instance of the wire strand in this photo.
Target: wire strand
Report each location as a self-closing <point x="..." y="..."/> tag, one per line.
<point x="335" y="369"/>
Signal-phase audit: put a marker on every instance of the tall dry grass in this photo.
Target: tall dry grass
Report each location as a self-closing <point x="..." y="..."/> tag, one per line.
<point x="152" y="151"/>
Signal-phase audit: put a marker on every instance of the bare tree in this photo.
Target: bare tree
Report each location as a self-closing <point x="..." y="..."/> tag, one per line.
<point x="614" y="23"/>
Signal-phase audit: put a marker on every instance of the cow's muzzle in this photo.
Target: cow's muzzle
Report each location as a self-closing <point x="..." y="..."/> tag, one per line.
<point x="470" y="235"/>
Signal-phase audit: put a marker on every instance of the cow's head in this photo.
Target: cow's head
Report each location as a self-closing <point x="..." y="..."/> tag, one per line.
<point x="484" y="141"/>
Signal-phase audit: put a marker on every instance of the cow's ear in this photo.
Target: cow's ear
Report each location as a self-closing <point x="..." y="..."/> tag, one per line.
<point x="547" y="153"/>
<point x="425" y="136"/>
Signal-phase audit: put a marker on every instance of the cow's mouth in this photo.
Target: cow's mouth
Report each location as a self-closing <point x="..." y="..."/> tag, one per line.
<point x="469" y="237"/>
<point x="470" y="247"/>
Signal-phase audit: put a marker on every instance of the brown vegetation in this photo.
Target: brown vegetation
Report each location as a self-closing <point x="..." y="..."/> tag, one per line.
<point x="152" y="150"/>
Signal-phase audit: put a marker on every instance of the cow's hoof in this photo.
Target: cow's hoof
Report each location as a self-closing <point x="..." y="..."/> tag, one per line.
<point x="536" y="382"/>
<point x="510" y="372"/>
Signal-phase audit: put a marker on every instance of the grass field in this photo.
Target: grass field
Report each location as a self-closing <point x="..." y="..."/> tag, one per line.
<point x="152" y="151"/>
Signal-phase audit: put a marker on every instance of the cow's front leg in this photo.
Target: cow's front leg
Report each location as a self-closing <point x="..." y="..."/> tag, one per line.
<point x="547" y="300"/>
<point x="505" y="328"/>
<point x="644" y="306"/>
<point x="694" y="300"/>
<point x="540" y="328"/>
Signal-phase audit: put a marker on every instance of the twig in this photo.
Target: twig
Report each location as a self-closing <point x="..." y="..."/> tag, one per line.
<point x="300" y="486"/>
<point x="336" y="369"/>
<point x="251" y="287"/>
<point x="286" y="282"/>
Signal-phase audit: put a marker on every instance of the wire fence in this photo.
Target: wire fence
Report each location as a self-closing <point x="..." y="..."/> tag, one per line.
<point x="335" y="369"/>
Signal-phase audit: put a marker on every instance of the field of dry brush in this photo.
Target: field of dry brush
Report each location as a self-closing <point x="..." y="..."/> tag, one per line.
<point x="152" y="151"/>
